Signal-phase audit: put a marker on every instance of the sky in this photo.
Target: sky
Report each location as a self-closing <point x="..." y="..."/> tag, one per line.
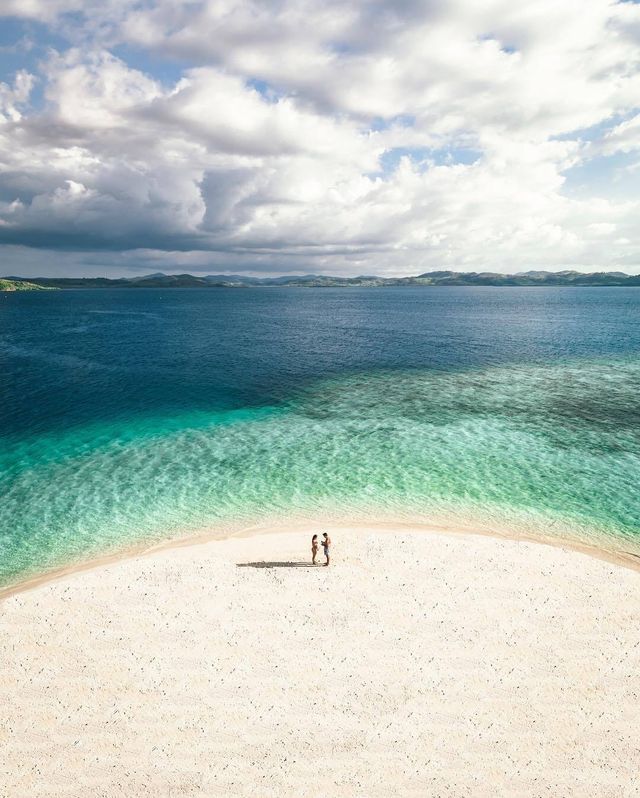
<point x="318" y="136"/>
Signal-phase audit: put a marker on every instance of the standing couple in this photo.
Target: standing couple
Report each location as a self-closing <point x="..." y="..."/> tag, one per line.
<point x="326" y="543"/>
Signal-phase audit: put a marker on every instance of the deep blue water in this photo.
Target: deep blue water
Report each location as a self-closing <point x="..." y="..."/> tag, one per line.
<point x="71" y="357"/>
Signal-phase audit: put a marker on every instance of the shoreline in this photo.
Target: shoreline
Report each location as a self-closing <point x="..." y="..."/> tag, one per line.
<point x="622" y="558"/>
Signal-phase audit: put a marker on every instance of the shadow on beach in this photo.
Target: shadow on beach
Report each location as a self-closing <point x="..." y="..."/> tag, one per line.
<point x="276" y="565"/>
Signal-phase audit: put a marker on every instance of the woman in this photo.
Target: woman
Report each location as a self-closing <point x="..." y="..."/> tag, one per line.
<point x="314" y="549"/>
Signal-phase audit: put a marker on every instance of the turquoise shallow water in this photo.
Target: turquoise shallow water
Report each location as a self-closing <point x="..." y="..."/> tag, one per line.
<point x="514" y="438"/>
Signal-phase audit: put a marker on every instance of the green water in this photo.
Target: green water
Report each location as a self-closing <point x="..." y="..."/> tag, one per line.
<point x="538" y="449"/>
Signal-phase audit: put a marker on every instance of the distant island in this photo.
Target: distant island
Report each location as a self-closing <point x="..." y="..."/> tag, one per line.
<point x="18" y="284"/>
<point x="437" y="278"/>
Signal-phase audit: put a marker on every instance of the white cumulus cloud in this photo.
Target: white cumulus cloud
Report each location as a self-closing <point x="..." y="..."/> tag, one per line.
<point x="324" y="136"/>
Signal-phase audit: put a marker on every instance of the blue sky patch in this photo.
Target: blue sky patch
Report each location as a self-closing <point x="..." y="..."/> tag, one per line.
<point x="167" y="71"/>
<point x="425" y="157"/>
<point x="597" y="131"/>
<point x="604" y="176"/>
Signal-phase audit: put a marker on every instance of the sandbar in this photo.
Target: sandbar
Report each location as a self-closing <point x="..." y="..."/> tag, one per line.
<point x="422" y="664"/>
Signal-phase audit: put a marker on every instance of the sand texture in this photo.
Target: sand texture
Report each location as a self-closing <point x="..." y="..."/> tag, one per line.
<point x="416" y="665"/>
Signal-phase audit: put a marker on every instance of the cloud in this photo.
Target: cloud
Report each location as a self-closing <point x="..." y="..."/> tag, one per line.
<point x="624" y="137"/>
<point x="323" y="135"/>
<point x="12" y="98"/>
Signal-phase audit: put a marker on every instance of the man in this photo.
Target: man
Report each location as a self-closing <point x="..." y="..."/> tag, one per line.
<point x="326" y="542"/>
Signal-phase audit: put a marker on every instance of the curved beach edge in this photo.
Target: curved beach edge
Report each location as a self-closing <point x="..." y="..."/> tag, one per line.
<point x="611" y="550"/>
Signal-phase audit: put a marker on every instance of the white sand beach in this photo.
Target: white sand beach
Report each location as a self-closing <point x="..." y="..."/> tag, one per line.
<point x="420" y="664"/>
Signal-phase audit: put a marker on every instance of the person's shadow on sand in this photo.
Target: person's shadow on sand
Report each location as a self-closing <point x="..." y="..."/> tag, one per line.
<point x="263" y="564"/>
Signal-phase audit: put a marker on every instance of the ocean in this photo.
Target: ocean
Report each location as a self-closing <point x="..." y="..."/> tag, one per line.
<point x="134" y="416"/>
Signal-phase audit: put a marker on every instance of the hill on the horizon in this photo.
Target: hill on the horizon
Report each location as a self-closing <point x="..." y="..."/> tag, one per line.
<point x="435" y="278"/>
<point x="18" y="284"/>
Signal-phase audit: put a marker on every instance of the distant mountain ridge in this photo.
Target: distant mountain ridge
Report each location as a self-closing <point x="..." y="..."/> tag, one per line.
<point x="435" y="278"/>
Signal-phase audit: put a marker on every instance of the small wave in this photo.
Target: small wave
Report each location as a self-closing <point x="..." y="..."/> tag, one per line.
<point x="36" y="353"/>
<point x="141" y="313"/>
